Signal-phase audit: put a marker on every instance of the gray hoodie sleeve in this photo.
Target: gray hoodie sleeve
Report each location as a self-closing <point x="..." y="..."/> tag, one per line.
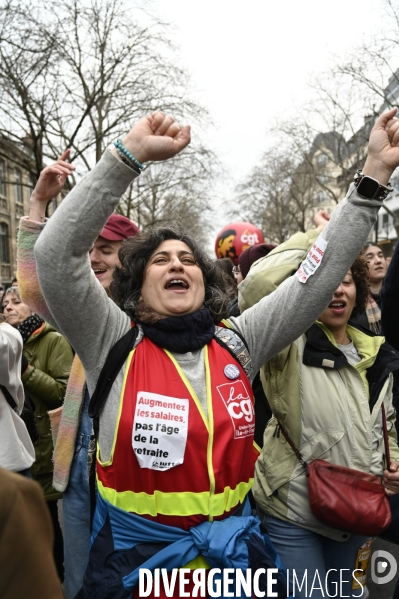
<point x="281" y="317"/>
<point x="91" y="322"/>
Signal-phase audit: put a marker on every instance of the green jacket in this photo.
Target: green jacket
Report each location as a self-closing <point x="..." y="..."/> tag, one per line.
<point x="322" y="401"/>
<point x="45" y="380"/>
<point x="274" y="268"/>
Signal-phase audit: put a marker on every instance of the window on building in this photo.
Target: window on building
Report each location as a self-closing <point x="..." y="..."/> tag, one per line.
<point x="322" y="178"/>
<point x="385" y="219"/>
<point x="2" y="178"/>
<point x="4" y="254"/>
<point x="18" y="186"/>
<point x="320" y="198"/>
<point x="322" y="159"/>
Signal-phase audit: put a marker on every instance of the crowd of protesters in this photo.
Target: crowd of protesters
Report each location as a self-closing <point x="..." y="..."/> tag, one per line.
<point x="172" y="400"/>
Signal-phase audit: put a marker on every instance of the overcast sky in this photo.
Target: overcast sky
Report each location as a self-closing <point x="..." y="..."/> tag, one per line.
<point x="251" y="61"/>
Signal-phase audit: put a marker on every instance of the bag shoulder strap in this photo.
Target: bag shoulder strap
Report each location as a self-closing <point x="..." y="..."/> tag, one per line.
<point x="386" y="439"/>
<point x="9" y="398"/>
<point x="291" y="444"/>
<point x="385" y="431"/>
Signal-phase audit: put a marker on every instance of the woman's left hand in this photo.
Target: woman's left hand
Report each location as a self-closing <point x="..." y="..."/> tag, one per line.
<point x="390" y="479"/>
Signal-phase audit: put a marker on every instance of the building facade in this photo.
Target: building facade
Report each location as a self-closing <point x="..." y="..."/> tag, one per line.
<point x="335" y="161"/>
<point x="15" y="189"/>
<point x="16" y="185"/>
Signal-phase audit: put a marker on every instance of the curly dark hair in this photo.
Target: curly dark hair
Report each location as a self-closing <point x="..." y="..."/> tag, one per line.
<point x="134" y="255"/>
<point x="360" y="274"/>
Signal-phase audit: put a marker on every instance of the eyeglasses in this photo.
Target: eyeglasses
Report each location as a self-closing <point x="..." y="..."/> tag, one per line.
<point x="236" y="270"/>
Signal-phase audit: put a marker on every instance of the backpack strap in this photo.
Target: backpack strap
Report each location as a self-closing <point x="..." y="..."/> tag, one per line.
<point x="235" y="344"/>
<point x="113" y="364"/>
<point x="225" y="337"/>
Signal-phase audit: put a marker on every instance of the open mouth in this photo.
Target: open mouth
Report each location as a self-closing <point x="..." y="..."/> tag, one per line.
<point x="338" y="307"/>
<point x="99" y="271"/>
<point x="176" y="285"/>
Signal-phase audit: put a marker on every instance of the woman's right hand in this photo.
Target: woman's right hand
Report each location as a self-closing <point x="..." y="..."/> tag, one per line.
<point x="157" y="136"/>
<point x="383" y="153"/>
<point x="50" y="183"/>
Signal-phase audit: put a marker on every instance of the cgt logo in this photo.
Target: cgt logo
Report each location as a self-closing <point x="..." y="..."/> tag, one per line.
<point x="383" y="567"/>
<point x="240" y="407"/>
<point x="249" y="238"/>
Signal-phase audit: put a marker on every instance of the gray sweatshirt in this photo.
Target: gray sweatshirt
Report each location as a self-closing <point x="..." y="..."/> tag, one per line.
<point x="93" y="323"/>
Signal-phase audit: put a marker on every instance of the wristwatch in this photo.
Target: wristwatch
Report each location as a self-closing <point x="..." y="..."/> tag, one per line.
<point x="370" y="188"/>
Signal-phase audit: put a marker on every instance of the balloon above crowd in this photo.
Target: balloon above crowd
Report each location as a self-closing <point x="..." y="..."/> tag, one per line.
<point x="234" y="238"/>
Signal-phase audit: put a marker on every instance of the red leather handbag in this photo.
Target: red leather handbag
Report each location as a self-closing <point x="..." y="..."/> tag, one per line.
<point x="347" y="499"/>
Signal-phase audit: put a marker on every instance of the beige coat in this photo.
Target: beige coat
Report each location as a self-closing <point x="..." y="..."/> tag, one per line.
<point x="325" y="410"/>
<point x="27" y="567"/>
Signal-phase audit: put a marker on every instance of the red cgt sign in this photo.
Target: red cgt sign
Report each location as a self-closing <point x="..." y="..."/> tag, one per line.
<point x="234" y="238"/>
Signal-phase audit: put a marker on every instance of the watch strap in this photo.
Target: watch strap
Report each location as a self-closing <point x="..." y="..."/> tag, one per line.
<point x="381" y="192"/>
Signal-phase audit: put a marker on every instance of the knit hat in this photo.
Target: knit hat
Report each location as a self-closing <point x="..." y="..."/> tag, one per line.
<point x="252" y="254"/>
<point x="118" y="228"/>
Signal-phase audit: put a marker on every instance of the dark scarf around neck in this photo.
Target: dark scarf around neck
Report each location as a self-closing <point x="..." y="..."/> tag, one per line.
<point x="29" y="325"/>
<point x="181" y="334"/>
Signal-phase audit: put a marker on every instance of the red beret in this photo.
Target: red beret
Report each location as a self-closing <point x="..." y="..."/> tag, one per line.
<point x="118" y="228"/>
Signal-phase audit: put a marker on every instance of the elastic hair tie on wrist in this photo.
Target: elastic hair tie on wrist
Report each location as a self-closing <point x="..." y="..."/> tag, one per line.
<point x="119" y="146"/>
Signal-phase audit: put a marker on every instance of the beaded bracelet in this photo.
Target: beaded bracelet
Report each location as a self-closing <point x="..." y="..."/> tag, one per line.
<point x="119" y="146"/>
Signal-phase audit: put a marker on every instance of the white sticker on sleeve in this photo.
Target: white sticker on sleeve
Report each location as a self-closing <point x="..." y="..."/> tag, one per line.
<point x="159" y="433"/>
<point x="312" y="260"/>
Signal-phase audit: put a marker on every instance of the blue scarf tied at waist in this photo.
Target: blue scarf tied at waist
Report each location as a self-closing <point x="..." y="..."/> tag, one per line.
<point x="122" y="543"/>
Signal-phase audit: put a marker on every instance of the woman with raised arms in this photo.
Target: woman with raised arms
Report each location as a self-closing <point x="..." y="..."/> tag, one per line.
<point x="175" y="457"/>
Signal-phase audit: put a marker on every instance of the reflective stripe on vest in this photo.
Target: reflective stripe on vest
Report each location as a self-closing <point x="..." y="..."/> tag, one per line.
<point x="177" y="504"/>
<point x="219" y="456"/>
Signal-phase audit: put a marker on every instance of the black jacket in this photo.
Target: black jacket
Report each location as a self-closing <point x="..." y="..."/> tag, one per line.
<point x="390" y="302"/>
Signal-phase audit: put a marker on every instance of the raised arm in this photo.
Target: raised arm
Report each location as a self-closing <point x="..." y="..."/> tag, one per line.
<point x="50" y="184"/>
<point x="83" y="312"/>
<point x="277" y="320"/>
<point x="279" y="264"/>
